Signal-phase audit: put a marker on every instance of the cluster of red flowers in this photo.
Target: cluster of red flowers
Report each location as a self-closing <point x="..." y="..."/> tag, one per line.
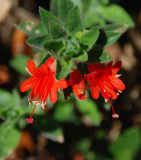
<point x="43" y="83"/>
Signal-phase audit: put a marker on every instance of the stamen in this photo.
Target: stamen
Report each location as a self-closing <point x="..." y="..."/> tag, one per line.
<point x="118" y="75"/>
<point x="30" y="120"/>
<point x="114" y="114"/>
<point x="36" y="103"/>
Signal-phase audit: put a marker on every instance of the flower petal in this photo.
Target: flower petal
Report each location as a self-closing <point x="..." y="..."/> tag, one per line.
<point x="95" y="91"/>
<point x="78" y="84"/>
<point x="116" y="67"/>
<point x="89" y="77"/>
<point x="94" y="67"/>
<point x="27" y="84"/>
<point x="53" y="92"/>
<point x="31" y="67"/>
<point x="117" y="83"/>
<point x="63" y="83"/>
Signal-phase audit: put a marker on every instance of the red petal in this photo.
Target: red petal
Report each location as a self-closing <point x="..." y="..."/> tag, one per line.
<point x="116" y="67"/>
<point x="109" y="65"/>
<point x="93" y="67"/>
<point x="48" y="62"/>
<point x="27" y="84"/>
<point x="31" y="67"/>
<point x="63" y="83"/>
<point x="107" y="90"/>
<point x="95" y="91"/>
<point x="117" y="83"/>
<point x="53" y="92"/>
<point x="89" y="77"/>
<point x="78" y="84"/>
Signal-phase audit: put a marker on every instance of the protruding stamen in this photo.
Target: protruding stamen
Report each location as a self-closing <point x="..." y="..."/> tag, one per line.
<point x="118" y="75"/>
<point x="43" y="105"/>
<point x="36" y="103"/>
<point x="106" y="100"/>
<point x="114" y="114"/>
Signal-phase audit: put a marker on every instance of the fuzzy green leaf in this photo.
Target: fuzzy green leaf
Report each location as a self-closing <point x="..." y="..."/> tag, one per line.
<point x="64" y="68"/>
<point x="54" y="46"/>
<point x="38" y="41"/>
<point x="98" y="55"/>
<point x="31" y="29"/>
<point x="54" y="7"/>
<point x="115" y="13"/>
<point x="57" y="31"/>
<point x="47" y="16"/>
<point x="81" y="57"/>
<point x="74" y="21"/>
<point x="88" y="37"/>
<point x="64" y="8"/>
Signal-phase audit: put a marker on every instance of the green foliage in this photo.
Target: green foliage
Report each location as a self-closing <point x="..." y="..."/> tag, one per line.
<point x="74" y="21"/>
<point x="38" y="41"/>
<point x="31" y="29"/>
<point x="46" y="17"/>
<point x="115" y="13"/>
<point x="88" y="37"/>
<point x="89" y="109"/>
<point x="9" y="138"/>
<point x="19" y="62"/>
<point x="127" y="145"/>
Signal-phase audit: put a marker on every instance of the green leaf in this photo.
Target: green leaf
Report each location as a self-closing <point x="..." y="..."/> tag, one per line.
<point x="127" y="145"/>
<point x="89" y="109"/>
<point x="31" y="29"/>
<point x="54" y="7"/>
<point x="74" y="21"/>
<point x="38" y="41"/>
<point x="64" y="68"/>
<point x="54" y="46"/>
<point x="57" y="31"/>
<point x="88" y="37"/>
<point x="115" y="13"/>
<point x="72" y="48"/>
<point x="79" y="3"/>
<point x="98" y="55"/>
<point x="81" y="57"/>
<point x="66" y="110"/>
<point x="46" y="17"/>
<point x="9" y="139"/>
<point x="19" y="62"/>
<point x="110" y="34"/>
<point x="64" y="8"/>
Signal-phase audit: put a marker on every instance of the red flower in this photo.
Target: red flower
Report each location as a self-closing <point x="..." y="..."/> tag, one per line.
<point x="78" y="84"/>
<point x="42" y="83"/>
<point x="106" y="81"/>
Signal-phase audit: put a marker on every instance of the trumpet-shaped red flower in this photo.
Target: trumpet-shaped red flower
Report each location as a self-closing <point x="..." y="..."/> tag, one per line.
<point x="78" y="84"/>
<point x="42" y="83"/>
<point x="106" y="81"/>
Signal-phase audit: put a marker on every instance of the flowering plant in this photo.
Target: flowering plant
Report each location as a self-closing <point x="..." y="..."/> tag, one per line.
<point x="71" y="43"/>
